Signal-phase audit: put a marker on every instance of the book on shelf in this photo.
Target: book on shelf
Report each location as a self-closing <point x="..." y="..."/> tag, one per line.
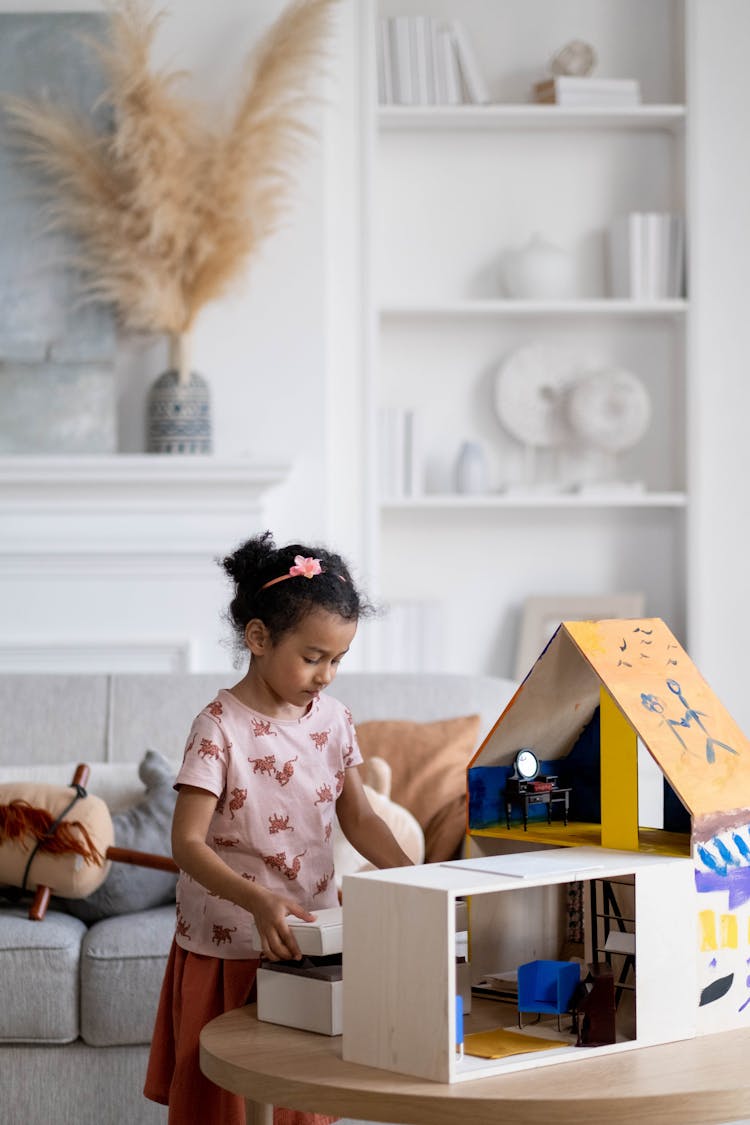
<point x="647" y="256"/>
<point x="427" y="61"/>
<point x="399" y="453"/>
<point x="385" y="64"/>
<point x="474" y="84"/>
<point x="447" y="74"/>
<point x="403" y="86"/>
<point x="569" y="90"/>
<point x="423" y="60"/>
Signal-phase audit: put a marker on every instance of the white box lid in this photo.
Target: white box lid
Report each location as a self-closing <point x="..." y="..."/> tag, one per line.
<point x="319" y="938"/>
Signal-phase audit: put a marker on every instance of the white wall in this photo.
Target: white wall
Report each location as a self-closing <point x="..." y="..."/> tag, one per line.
<point x="719" y="191"/>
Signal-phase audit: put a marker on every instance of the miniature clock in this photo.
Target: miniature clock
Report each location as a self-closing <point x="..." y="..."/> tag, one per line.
<point x="526" y="764"/>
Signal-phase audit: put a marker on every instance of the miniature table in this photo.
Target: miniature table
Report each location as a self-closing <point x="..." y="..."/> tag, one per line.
<point x="703" y="1081"/>
<point x="537" y="797"/>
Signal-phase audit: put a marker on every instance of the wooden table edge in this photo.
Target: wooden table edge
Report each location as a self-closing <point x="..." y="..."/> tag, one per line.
<point x="707" y="1080"/>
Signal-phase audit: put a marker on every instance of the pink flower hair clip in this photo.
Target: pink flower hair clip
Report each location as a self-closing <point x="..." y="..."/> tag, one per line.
<point x="305" y="568"/>
<point x="302" y="568"/>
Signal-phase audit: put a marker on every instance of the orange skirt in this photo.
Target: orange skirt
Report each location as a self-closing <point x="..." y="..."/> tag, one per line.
<point x="195" y="990"/>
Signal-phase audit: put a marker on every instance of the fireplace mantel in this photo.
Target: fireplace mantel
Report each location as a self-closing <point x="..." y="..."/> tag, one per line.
<point x="141" y="482"/>
<point x="107" y="557"/>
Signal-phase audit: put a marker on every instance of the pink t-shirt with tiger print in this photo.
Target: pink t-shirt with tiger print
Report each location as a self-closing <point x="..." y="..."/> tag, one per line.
<point x="277" y="782"/>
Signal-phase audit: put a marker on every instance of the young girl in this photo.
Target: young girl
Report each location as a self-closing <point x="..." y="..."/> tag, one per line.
<point x="267" y="767"/>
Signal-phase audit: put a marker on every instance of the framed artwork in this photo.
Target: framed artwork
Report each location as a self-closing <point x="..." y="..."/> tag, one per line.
<point x="42" y="317"/>
<point x="542" y="615"/>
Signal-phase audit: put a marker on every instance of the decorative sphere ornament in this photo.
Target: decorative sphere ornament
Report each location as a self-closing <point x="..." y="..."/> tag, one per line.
<point x="609" y="410"/>
<point x="575" y="58"/>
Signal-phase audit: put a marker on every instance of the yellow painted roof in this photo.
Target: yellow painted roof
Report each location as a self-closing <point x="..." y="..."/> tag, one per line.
<point x="703" y="753"/>
<point x="700" y="749"/>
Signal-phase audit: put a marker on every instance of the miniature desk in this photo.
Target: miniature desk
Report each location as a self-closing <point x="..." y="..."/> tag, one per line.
<point x="703" y="1081"/>
<point x="529" y="797"/>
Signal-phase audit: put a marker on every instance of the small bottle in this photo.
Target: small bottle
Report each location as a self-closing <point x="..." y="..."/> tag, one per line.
<point x="471" y="469"/>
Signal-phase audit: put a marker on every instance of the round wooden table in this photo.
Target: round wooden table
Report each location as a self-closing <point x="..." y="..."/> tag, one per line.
<point x="704" y="1081"/>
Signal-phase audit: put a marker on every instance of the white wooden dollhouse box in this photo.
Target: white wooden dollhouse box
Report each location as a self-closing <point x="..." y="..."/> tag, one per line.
<point x="655" y="852"/>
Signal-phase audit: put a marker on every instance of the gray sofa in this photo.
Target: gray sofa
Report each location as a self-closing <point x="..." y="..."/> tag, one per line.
<point x="78" y="1001"/>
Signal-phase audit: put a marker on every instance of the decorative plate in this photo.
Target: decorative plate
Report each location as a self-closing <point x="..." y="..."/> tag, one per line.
<point x="530" y="393"/>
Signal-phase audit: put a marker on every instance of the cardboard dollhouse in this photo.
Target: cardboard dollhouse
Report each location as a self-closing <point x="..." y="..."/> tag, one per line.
<point x="659" y="780"/>
<point x="659" y="766"/>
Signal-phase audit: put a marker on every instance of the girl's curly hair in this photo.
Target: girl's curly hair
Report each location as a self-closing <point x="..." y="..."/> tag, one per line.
<point x="283" y="605"/>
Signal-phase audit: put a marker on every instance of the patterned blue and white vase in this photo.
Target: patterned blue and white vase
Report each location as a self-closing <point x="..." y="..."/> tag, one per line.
<point x="179" y="415"/>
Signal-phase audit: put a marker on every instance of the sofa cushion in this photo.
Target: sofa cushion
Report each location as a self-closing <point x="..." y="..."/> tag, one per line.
<point x="146" y="826"/>
<point x="39" y="981"/>
<point x="122" y="966"/>
<point x="428" y="763"/>
<point x="53" y="717"/>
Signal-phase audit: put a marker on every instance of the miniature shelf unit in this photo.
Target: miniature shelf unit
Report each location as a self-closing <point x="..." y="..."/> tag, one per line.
<point x="400" y="954"/>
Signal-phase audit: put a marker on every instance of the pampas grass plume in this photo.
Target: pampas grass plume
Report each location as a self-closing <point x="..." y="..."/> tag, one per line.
<point x="165" y="210"/>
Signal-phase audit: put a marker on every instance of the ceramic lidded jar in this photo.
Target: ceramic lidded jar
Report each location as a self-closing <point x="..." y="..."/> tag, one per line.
<point x="539" y="271"/>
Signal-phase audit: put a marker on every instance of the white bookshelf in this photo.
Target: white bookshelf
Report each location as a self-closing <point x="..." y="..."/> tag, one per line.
<point x="450" y="189"/>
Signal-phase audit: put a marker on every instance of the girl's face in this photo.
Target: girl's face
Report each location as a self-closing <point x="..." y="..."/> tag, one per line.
<point x="304" y="661"/>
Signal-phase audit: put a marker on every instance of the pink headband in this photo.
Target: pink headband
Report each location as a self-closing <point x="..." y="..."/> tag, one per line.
<point x="302" y="568"/>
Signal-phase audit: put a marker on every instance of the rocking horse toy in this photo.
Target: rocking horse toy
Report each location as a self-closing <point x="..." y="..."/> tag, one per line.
<point x="58" y="839"/>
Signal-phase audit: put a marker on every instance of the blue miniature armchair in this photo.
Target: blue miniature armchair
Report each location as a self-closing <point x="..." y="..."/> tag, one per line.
<point x="547" y="987"/>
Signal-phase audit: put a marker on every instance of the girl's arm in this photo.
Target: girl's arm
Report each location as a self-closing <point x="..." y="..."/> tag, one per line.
<point x="364" y="829"/>
<point x="190" y="824"/>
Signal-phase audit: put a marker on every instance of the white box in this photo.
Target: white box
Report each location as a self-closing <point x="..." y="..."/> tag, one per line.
<point x="291" y="997"/>
<point x="319" y="938"/>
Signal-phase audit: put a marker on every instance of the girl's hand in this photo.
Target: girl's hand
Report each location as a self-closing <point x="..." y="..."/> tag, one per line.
<point x="277" y="940"/>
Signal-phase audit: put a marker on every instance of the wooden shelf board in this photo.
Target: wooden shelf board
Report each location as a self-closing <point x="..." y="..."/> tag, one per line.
<point x="523" y="500"/>
<point x="469" y="309"/>
<point x="653" y="841"/>
<point x="526" y="116"/>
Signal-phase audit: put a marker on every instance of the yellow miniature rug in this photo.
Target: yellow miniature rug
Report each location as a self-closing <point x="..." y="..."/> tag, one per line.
<point x="498" y="1043"/>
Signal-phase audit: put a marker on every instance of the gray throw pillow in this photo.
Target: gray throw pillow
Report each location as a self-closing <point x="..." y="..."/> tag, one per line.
<point x="147" y="827"/>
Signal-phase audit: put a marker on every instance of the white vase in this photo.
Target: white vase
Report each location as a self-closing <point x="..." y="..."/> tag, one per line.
<point x="471" y="469"/>
<point x="539" y="271"/>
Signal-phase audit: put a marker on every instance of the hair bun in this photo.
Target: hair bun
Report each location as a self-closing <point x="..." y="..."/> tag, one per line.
<point x="249" y="560"/>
